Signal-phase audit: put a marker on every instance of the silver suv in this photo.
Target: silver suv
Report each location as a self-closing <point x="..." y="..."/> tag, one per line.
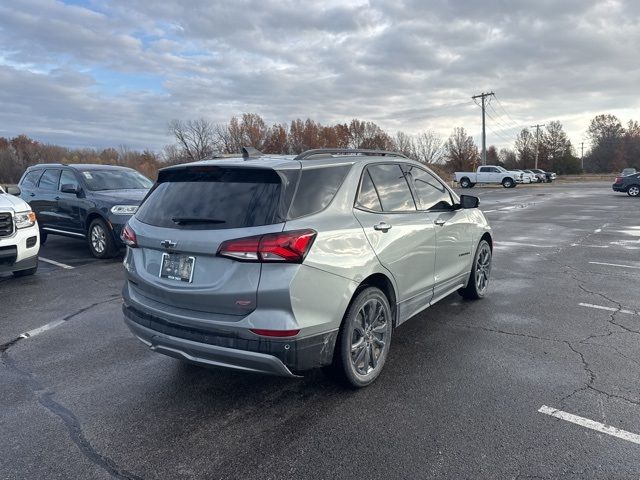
<point x="280" y="264"/>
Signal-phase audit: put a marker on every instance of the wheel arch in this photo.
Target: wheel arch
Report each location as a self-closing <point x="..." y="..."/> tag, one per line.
<point x="93" y="216"/>
<point x="487" y="236"/>
<point x="631" y="186"/>
<point x="384" y="283"/>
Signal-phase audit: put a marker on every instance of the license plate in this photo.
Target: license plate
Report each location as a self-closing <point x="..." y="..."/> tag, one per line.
<point x="177" y="267"/>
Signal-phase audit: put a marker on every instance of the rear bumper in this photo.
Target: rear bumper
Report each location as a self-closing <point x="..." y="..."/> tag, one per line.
<point x="618" y="187"/>
<point x="236" y="349"/>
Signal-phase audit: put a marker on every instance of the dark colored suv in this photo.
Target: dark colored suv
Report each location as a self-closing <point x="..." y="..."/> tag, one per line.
<point x="629" y="184"/>
<point x="92" y="202"/>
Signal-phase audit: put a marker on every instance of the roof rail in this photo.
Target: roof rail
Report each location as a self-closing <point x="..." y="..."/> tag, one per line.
<point x="249" y="152"/>
<point x="346" y="151"/>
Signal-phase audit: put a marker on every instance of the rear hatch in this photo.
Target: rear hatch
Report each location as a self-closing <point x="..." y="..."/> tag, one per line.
<point x="188" y="214"/>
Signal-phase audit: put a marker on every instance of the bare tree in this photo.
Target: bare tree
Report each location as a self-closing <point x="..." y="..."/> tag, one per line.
<point x="405" y="144"/>
<point x="429" y="147"/>
<point x="195" y="137"/>
<point x="525" y="148"/>
<point x="461" y="152"/>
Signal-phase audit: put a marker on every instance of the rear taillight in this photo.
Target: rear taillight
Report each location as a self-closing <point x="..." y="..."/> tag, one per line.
<point x="128" y="237"/>
<point x="284" y="247"/>
<point x="618" y="179"/>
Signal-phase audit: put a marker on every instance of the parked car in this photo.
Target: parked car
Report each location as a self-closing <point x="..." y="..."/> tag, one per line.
<point x="628" y="171"/>
<point x="629" y="184"/>
<point x="19" y="235"/>
<point x="489" y="174"/>
<point x="92" y="202"/>
<point x="279" y="265"/>
<point x="550" y="176"/>
<point x="539" y="177"/>
<point x="526" y="176"/>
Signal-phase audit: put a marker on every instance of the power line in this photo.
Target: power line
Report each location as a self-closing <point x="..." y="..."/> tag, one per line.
<point x="499" y="135"/>
<point x="505" y="111"/>
<point x="503" y="127"/>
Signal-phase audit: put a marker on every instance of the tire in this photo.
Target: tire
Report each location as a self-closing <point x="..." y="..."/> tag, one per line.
<point x="465" y="182"/>
<point x="359" y="366"/>
<point x="25" y="273"/>
<point x="508" y="182"/>
<point x="100" y="240"/>
<point x="43" y="237"/>
<point x="633" y="190"/>
<point x="480" y="272"/>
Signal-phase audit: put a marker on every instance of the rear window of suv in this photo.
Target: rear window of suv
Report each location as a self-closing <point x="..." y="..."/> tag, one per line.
<point x="212" y="197"/>
<point x="316" y="189"/>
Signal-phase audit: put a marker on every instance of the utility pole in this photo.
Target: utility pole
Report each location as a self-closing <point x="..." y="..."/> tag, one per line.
<point x="537" y="127"/>
<point x="483" y="97"/>
<point x="582" y="156"/>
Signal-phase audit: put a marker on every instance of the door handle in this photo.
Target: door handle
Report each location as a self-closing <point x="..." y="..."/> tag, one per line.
<point x="382" y="226"/>
<point x="57" y="198"/>
<point x="440" y="222"/>
<point x="32" y="194"/>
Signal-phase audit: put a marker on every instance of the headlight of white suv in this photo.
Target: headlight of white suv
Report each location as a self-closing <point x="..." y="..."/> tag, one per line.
<point x="25" y="219"/>
<point x="124" y="209"/>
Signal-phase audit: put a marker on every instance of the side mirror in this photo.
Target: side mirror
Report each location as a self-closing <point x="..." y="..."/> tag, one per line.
<point x="69" y="188"/>
<point x="14" y="191"/>
<point x="469" y="201"/>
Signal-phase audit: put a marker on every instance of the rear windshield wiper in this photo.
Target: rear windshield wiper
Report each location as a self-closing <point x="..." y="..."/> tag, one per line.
<point x="193" y="220"/>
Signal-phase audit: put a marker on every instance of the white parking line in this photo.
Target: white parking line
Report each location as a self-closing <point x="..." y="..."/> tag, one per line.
<point x="57" y="264"/>
<point x="505" y="244"/>
<point x="615" y="265"/>
<point x="44" y="328"/>
<point x="593" y="425"/>
<point x="608" y="309"/>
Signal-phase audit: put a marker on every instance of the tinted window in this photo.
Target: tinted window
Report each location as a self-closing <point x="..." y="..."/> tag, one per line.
<point x="432" y="195"/>
<point x="68" y="178"/>
<point x="114" y="179"/>
<point x="368" y="197"/>
<point x="30" y="180"/>
<point x="316" y="189"/>
<point x="392" y="188"/>
<point x="49" y="180"/>
<point x="213" y="198"/>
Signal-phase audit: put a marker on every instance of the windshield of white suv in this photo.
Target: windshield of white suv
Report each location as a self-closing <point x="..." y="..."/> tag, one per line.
<point x="97" y="180"/>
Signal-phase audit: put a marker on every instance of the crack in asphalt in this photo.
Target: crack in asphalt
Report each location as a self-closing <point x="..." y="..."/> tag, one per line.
<point x="612" y="315"/>
<point x="5" y="346"/>
<point x="71" y="422"/>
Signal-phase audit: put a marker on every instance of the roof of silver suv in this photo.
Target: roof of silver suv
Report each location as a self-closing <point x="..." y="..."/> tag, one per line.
<point x="310" y="158"/>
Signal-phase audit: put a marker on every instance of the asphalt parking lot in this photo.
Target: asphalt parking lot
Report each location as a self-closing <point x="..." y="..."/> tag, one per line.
<point x="463" y="394"/>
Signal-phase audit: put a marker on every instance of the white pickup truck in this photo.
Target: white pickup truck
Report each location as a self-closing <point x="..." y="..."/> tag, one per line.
<point x="489" y="174"/>
<point x="19" y="235"/>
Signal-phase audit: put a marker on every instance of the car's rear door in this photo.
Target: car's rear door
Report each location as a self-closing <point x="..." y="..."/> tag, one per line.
<point x="68" y="204"/>
<point x="402" y="239"/>
<point x="180" y="226"/>
<point x="44" y="203"/>
<point x="484" y="175"/>
<point x="453" y="252"/>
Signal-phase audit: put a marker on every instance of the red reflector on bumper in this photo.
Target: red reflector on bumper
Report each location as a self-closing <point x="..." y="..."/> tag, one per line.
<point x="275" y="333"/>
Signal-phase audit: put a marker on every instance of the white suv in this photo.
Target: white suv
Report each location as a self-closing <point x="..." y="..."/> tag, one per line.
<point x="19" y="235"/>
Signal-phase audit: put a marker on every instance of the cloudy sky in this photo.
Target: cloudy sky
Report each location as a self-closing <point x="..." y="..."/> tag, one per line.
<point x="112" y="72"/>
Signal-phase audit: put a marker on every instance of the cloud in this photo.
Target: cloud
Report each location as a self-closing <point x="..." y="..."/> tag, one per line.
<point x="107" y="73"/>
